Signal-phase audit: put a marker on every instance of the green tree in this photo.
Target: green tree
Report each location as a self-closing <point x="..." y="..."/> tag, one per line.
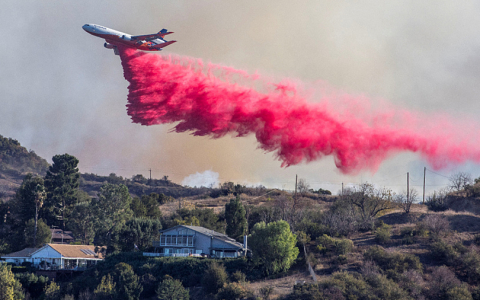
<point x="147" y="206"/>
<point x="43" y="236"/>
<point x="214" y="278"/>
<point x="112" y="209"/>
<point x="82" y="219"/>
<point x="151" y="205"/>
<point x="10" y="288"/>
<point x="138" y="231"/>
<point x="32" y="284"/>
<point x="172" y="289"/>
<point x="24" y="203"/>
<point x="235" y="218"/>
<point x="138" y="208"/>
<point x="128" y="284"/>
<point x="106" y="289"/>
<point x="61" y="181"/>
<point x="52" y="291"/>
<point x="273" y="246"/>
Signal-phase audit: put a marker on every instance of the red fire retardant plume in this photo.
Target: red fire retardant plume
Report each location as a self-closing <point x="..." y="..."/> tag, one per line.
<point x="207" y="101"/>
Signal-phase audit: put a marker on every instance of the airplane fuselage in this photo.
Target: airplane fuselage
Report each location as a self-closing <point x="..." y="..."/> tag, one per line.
<point x="153" y="42"/>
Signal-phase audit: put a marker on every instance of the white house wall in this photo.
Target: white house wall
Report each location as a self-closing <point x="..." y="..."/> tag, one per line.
<point x="46" y="252"/>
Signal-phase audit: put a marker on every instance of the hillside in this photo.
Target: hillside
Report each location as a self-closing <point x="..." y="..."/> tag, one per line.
<point x="15" y="162"/>
<point x="139" y="185"/>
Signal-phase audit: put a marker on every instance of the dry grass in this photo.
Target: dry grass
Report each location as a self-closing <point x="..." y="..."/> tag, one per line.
<point x="282" y="286"/>
<point x="218" y="204"/>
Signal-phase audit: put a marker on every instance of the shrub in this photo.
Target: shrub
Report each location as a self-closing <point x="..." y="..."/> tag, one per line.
<point x="459" y="293"/>
<point x="351" y="285"/>
<point x="106" y="288"/>
<point x="421" y="230"/>
<point x="214" y="279"/>
<point x="437" y="202"/>
<point x="442" y="251"/>
<point x="412" y="282"/>
<point x="382" y="234"/>
<point x="327" y="244"/>
<point x="408" y="235"/>
<point x="393" y="264"/>
<point x="443" y="284"/>
<point x="172" y="289"/>
<point x="476" y="240"/>
<point x="470" y="264"/>
<point x="233" y="290"/>
<point x="436" y="224"/>
<point x="385" y="288"/>
<point x="341" y="259"/>
<point x="33" y="284"/>
<point x="52" y="291"/>
<point x="266" y="292"/>
<point x="238" y="276"/>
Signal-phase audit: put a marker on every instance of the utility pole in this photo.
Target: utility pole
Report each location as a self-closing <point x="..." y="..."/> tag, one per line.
<point x="296" y="177"/>
<point x="150" y="174"/>
<point x="424" y="174"/>
<point x="342" y="188"/>
<point x="408" y="187"/>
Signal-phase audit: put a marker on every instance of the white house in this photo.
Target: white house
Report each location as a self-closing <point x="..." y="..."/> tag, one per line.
<point x="184" y="240"/>
<point x="58" y="256"/>
<point x="19" y="257"/>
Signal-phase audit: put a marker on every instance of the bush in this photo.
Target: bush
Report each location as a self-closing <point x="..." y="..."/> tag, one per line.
<point x="341" y="259"/>
<point x="172" y="289"/>
<point x="238" y="276"/>
<point x="470" y="266"/>
<point x="233" y="290"/>
<point x="443" y="284"/>
<point x="412" y="282"/>
<point x="408" y="235"/>
<point x="385" y="288"/>
<point x="436" y="224"/>
<point x="476" y="240"/>
<point x="382" y="234"/>
<point x="327" y="244"/>
<point x="214" y="279"/>
<point x="444" y="252"/>
<point x="393" y="264"/>
<point x="33" y="284"/>
<point x="437" y="202"/>
<point x="266" y="292"/>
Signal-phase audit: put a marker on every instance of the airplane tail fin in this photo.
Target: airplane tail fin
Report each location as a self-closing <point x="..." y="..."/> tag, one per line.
<point x="163" y="32"/>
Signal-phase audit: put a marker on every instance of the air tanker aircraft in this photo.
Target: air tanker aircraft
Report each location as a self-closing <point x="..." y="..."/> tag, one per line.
<point x="148" y="42"/>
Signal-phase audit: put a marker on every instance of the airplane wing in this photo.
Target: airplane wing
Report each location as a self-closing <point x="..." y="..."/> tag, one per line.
<point x="162" y="45"/>
<point x="160" y="34"/>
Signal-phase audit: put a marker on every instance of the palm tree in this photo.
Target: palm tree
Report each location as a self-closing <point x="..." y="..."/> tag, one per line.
<point x="40" y="195"/>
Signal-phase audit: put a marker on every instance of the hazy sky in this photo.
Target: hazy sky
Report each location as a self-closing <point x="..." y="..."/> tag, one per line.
<point x="62" y="92"/>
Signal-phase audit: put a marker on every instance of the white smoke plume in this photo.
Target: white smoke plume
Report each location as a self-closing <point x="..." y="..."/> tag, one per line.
<point x="208" y="178"/>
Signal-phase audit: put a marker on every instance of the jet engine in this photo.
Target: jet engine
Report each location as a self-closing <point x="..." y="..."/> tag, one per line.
<point x="108" y="46"/>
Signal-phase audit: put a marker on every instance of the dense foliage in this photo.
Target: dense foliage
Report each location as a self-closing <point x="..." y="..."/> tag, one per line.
<point x="273" y="246"/>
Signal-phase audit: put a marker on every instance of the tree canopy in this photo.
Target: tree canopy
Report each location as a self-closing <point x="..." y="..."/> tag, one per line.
<point x="273" y="246"/>
<point x="61" y="182"/>
<point x="235" y="218"/>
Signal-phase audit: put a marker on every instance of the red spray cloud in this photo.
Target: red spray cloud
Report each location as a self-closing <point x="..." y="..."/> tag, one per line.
<point x="209" y="101"/>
